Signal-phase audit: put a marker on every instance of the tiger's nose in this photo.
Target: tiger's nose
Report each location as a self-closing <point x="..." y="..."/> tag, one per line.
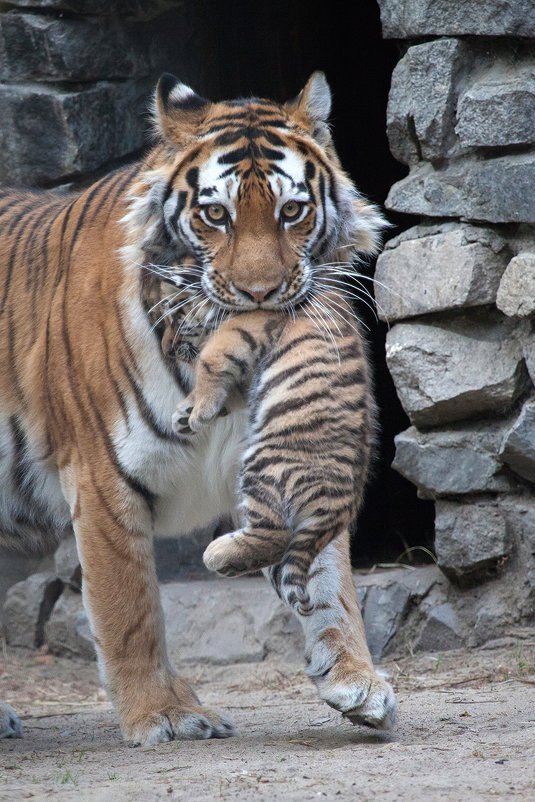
<point x="258" y="294"/>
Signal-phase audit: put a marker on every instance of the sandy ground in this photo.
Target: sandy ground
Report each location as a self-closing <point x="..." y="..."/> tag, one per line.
<point x="466" y="730"/>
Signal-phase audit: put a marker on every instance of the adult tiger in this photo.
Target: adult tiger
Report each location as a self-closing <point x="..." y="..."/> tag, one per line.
<point x="245" y="204"/>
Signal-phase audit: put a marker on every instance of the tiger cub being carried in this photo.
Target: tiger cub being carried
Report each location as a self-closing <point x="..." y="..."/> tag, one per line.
<point x="304" y="469"/>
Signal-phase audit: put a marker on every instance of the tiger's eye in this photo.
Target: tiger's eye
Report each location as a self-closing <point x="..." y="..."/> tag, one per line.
<point x="291" y="209"/>
<point x="215" y="212"/>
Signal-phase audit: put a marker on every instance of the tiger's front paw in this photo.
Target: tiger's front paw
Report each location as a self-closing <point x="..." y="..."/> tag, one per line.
<point x="171" y="714"/>
<point x="178" y="723"/>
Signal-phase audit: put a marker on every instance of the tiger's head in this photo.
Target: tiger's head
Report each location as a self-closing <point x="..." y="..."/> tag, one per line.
<point x="245" y="201"/>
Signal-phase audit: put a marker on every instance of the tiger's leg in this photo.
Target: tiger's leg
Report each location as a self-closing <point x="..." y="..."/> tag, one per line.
<point x="337" y="656"/>
<point x="121" y="595"/>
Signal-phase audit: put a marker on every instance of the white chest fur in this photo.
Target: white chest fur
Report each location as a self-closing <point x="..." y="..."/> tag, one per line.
<point x="194" y="482"/>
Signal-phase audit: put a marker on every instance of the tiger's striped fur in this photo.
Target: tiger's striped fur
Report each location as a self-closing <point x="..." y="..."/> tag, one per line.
<point x="307" y="448"/>
<point x="91" y="379"/>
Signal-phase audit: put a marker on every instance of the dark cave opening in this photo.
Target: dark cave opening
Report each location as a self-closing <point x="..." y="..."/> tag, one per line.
<point x="269" y="50"/>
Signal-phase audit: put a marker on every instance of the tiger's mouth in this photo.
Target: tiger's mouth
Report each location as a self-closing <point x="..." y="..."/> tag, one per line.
<point x="184" y="307"/>
<point x="288" y="295"/>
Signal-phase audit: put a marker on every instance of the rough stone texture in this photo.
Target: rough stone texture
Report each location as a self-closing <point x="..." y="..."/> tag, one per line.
<point x="441" y="631"/>
<point x="439" y="267"/>
<point x="470" y="539"/>
<point x="458" y="460"/>
<point x="48" y="133"/>
<point x="416" y="18"/>
<point x="529" y="354"/>
<point x="446" y="371"/>
<point x="382" y="613"/>
<point x="67" y="563"/>
<point x="419" y="120"/>
<point x="218" y="621"/>
<point x="38" y="47"/>
<point x="67" y="630"/>
<point x="520" y="515"/>
<point x="500" y="190"/>
<point x="16" y="567"/>
<point x="518" y="449"/>
<point x="520" y="512"/>
<point x="27" y="607"/>
<point x="137" y="9"/>
<point x="391" y="598"/>
<point x="499" y="109"/>
<point x="516" y="293"/>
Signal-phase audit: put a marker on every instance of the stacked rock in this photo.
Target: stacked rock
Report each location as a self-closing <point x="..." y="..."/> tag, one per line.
<point x="461" y="284"/>
<point x="75" y="78"/>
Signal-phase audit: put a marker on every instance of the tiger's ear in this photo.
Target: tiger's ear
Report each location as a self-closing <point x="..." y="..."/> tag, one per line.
<point x="178" y="110"/>
<point x="312" y="106"/>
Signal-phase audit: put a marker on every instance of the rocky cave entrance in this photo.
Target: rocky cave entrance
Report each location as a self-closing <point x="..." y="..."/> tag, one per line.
<point x="270" y="49"/>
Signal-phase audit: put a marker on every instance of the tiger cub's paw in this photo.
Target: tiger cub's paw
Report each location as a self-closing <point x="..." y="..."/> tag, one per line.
<point x="227" y="555"/>
<point x="180" y="419"/>
<point x="192" y="414"/>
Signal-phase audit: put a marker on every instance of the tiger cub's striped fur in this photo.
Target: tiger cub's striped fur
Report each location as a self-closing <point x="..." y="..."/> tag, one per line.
<point x="307" y="450"/>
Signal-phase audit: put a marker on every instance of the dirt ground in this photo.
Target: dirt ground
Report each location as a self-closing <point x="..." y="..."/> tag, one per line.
<point x="466" y="730"/>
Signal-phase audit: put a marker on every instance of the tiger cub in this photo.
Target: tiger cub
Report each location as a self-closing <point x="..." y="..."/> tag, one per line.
<point x="307" y="451"/>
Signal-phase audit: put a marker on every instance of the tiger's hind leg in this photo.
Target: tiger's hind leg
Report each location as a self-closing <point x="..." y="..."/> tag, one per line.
<point x="337" y="656"/>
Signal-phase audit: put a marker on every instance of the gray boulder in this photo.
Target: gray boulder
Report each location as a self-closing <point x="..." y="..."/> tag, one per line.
<point x="384" y="610"/>
<point x="406" y="19"/>
<point x="222" y="621"/>
<point x="422" y="100"/>
<point x="499" y="109"/>
<point x="441" y="630"/>
<point x="518" y="449"/>
<point x="447" y="371"/>
<point x="67" y="631"/>
<point x="439" y="267"/>
<point x="529" y="354"/>
<point x="389" y="600"/>
<point x="67" y="563"/>
<point x="48" y="133"/>
<point x="27" y="608"/>
<point x="516" y="293"/>
<point x="458" y="460"/>
<point x="470" y="539"/>
<point x="499" y="190"/>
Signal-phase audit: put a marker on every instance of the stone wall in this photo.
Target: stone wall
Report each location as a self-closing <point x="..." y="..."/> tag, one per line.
<point x="458" y="290"/>
<point x="75" y="81"/>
